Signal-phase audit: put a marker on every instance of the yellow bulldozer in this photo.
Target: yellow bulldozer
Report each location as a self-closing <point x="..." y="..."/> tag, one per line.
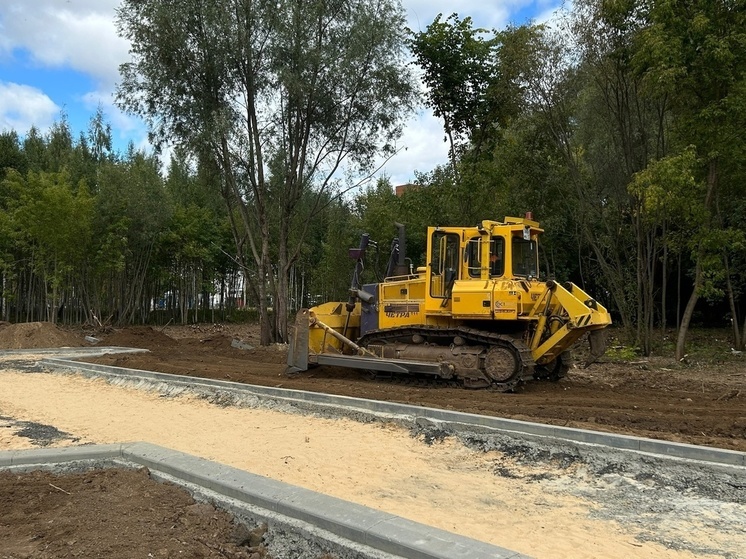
<point x="476" y="313"/>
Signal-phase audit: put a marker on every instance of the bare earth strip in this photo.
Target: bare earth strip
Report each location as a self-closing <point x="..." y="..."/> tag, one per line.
<point x="444" y="485"/>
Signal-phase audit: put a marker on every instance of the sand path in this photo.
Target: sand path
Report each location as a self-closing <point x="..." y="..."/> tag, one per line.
<point x="444" y="485"/>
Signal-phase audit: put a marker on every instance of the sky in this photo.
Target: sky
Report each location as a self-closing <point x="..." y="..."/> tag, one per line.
<point x="62" y="57"/>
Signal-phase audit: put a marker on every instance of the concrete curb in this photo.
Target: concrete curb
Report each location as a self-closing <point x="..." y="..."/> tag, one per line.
<point x="455" y="420"/>
<point x="71" y="351"/>
<point x="361" y="525"/>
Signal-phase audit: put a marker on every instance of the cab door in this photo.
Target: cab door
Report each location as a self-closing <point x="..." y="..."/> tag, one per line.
<point x="443" y="270"/>
<point x="472" y="294"/>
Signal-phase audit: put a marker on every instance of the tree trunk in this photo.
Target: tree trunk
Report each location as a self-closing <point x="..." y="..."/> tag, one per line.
<point x="737" y="339"/>
<point x="688" y="312"/>
<point x="664" y="282"/>
<point x="283" y="292"/>
<point x="645" y="280"/>
<point x="452" y="153"/>
<point x="265" y="323"/>
<point x="678" y="294"/>
<point x="281" y="307"/>
<point x="712" y="182"/>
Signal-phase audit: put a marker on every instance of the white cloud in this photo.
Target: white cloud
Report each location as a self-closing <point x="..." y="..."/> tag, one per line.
<point x="421" y="13"/>
<point x="552" y="14"/>
<point x="22" y="107"/>
<point x="77" y="34"/>
<point x="488" y="14"/>
<point x="424" y="149"/>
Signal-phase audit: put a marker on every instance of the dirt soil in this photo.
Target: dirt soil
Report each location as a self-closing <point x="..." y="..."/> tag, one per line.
<point x="701" y="401"/>
<point x="114" y="513"/>
<point x="31" y="335"/>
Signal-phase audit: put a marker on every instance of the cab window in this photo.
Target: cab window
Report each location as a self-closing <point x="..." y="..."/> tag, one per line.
<point x="444" y="263"/>
<point x="525" y="258"/>
<point x="497" y="257"/>
<point x="473" y="262"/>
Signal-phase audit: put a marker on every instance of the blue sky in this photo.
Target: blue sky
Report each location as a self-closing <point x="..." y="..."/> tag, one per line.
<point x="62" y="56"/>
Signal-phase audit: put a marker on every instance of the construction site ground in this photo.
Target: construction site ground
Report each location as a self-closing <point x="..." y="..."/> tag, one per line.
<point x="700" y="401"/>
<point x="482" y="495"/>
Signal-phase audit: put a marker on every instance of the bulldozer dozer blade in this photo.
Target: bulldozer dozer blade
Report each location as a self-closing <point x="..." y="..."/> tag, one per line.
<point x="399" y="366"/>
<point x="298" y="348"/>
<point x="597" y="341"/>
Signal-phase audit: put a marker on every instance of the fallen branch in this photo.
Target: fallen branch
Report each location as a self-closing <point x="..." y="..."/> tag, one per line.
<point x="729" y="395"/>
<point x="60" y="489"/>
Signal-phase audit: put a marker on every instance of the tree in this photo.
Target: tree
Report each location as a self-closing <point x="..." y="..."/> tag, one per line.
<point x="621" y="128"/>
<point x="59" y="145"/>
<point x="458" y="67"/>
<point x="189" y="247"/>
<point x="132" y="211"/>
<point x="53" y="220"/>
<point x="35" y="149"/>
<point x="11" y="155"/>
<point x="693" y="53"/>
<point x="286" y="96"/>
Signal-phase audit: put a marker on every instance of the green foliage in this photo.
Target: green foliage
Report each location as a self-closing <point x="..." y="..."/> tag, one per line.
<point x="474" y="79"/>
<point x="35" y="149"/>
<point x="458" y="65"/>
<point x="619" y="133"/>
<point x="377" y="208"/>
<point x="693" y="53"/>
<point x="666" y="189"/>
<point x="330" y="268"/>
<point x="622" y="353"/>
<point x="11" y="154"/>
<point x="54" y="218"/>
<point x="50" y="221"/>
<point x="102" y="253"/>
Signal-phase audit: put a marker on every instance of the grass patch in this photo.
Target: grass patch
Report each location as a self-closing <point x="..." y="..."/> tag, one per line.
<point x="703" y="345"/>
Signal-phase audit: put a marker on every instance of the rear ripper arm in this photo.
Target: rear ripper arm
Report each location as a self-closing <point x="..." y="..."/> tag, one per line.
<point x="563" y="315"/>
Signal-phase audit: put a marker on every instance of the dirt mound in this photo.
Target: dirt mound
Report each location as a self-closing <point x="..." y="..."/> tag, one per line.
<point x="31" y="335"/>
<point x="143" y="337"/>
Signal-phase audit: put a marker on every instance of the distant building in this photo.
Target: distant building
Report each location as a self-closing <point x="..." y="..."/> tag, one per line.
<point x="402" y="188"/>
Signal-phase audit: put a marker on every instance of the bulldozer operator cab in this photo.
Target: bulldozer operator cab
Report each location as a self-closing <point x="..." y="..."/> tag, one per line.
<point x="471" y="270"/>
<point x="491" y="250"/>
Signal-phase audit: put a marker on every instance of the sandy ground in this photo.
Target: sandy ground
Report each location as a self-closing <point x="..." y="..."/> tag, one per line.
<point x="444" y="485"/>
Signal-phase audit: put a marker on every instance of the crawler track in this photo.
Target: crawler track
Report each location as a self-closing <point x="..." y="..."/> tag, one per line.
<point x="470" y="336"/>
